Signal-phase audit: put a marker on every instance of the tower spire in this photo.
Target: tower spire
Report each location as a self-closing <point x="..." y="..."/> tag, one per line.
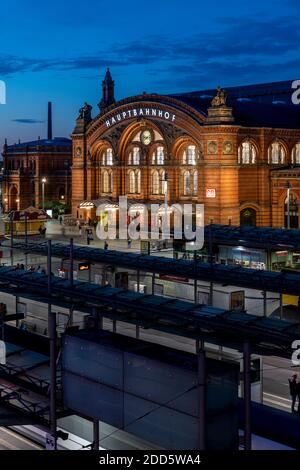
<point x="108" y="91"/>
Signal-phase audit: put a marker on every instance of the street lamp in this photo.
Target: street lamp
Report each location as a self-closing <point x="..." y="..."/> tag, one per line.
<point x="288" y="206"/>
<point x="44" y="180"/>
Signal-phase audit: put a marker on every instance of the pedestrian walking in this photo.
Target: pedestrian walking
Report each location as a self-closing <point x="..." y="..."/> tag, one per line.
<point x="80" y="231"/>
<point x="129" y="242"/>
<point x="106" y="245"/>
<point x="294" y="391"/>
<point x="60" y="219"/>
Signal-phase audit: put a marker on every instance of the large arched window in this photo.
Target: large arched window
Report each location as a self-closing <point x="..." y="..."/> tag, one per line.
<point x="291" y="218"/>
<point x="107" y="157"/>
<point x="158" y="156"/>
<point x="190" y="183"/>
<point x="247" y="153"/>
<point x="134" y="182"/>
<point x="13" y="198"/>
<point x="107" y="182"/>
<point x="134" y="156"/>
<point x="296" y="154"/>
<point x="276" y="153"/>
<point x="189" y="155"/>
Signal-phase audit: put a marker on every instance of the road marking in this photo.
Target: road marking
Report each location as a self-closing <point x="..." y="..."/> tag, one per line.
<point x="277" y="396"/>
<point x="283" y="405"/>
<point x="20" y="438"/>
<point x="6" y="445"/>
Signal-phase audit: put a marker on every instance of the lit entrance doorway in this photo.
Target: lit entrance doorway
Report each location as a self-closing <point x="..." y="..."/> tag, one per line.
<point x="248" y="217"/>
<point x="13" y="202"/>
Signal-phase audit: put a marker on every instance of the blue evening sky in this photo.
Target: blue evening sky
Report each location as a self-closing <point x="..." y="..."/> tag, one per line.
<point x="59" y="51"/>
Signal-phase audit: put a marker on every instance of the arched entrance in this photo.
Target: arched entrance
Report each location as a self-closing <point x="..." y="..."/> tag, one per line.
<point x="13" y="196"/>
<point x="248" y="217"/>
<point x="291" y="218"/>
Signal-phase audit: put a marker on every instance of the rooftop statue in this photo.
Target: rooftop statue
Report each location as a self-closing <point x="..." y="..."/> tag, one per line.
<point x="220" y="98"/>
<point x="85" y="112"/>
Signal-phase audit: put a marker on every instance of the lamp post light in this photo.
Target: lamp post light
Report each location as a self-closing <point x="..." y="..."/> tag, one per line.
<point x="288" y="206"/>
<point x="44" y="180"/>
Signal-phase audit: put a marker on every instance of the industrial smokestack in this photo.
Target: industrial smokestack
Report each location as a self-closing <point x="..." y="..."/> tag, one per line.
<point x="49" y="120"/>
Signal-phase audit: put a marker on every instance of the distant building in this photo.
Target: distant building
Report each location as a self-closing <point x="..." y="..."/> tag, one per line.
<point x="236" y="151"/>
<point x="26" y="165"/>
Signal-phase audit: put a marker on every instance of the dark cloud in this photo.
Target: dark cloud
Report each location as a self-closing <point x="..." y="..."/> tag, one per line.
<point x="27" y="121"/>
<point x="243" y="47"/>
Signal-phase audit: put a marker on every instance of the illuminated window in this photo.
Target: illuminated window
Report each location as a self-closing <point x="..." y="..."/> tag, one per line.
<point x="195" y="183"/>
<point x="134" y="156"/>
<point x="107" y="182"/>
<point x="186" y="183"/>
<point x="189" y="155"/>
<point x="190" y="183"/>
<point x="134" y="178"/>
<point x="155" y="182"/>
<point x="138" y="181"/>
<point x="163" y="182"/>
<point x="247" y="153"/>
<point x="107" y="157"/>
<point x="276" y="153"/>
<point x="296" y="154"/>
<point x="158" y="156"/>
<point x="131" y="182"/>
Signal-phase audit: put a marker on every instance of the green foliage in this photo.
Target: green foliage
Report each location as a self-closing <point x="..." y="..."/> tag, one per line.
<point x="57" y="207"/>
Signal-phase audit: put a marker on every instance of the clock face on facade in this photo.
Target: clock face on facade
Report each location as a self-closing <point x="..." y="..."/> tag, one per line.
<point x="146" y="137"/>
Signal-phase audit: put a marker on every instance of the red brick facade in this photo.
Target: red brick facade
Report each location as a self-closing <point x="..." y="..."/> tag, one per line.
<point x="233" y="162"/>
<point x="25" y="166"/>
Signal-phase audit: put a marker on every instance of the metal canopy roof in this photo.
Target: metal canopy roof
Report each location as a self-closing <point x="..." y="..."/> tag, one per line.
<point x="23" y="387"/>
<point x="260" y="237"/>
<point x="231" y="328"/>
<point x="234" y="275"/>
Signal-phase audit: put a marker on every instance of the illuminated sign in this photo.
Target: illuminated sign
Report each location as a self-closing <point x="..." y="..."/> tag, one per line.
<point x="211" y="193"/>
<point x="84" y="266"/>
<point x="140" y="112"/>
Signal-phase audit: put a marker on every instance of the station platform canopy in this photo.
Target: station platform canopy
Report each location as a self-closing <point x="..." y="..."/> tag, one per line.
<point x="233" y="275"/>
<point x="254" y="237"/>
<point x="226" y="327"/>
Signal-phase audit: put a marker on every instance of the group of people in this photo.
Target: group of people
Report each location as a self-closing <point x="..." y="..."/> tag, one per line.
<point x="295" y="393"/>
<point x="31" y="268"/>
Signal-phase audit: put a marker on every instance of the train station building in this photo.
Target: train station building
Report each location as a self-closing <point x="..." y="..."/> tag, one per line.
<point x="236" y="151"/>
